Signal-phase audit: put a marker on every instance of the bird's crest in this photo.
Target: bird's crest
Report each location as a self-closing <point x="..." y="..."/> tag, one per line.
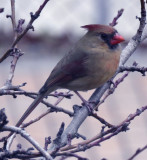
<point x="99" y="28"/>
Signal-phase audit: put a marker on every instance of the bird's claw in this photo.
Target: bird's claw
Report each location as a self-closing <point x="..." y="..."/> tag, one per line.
<point x="113" y="83"/>
<point x="89" y="106"/>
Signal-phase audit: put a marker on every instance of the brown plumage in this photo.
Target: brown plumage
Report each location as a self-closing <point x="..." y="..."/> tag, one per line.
<point x="92" y="62"/>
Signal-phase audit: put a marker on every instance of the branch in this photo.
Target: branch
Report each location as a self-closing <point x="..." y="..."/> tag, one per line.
<point x="114" y="22"/>
<point x="53" y="107"/>
<point x="142" y="70"/>
<point x="1" y="10"/>
<point x="112" y="89"/>
<point x="3" y="118"/>
<point x="67" y="155"/>
<point x="139" y="150"/>
<point x="28" y="27"/>
<point x="19" y="154"/>
<point x="13" y="19"/>
<point x="14" y="93"/>
<point x="25" y="135"/>
<point x="16" y="53"/>
<point x="15" y="90"/>
<point x="123" y="126"/>
<point x="67" y="150"/>
<point x="103" y="121"/>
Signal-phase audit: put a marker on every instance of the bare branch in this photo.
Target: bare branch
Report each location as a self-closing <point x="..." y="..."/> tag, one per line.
<point x="140" y="69"/>
<point x="14" y="93"/>
<point x="25" y="135"/>
<point x="19" y="91"/>
<point x="119" y="14"/>
<point x="112" y="89"/>
<point x="36" y="119"/>
<point x="142" y="22"/>
<point x="20" y="154"/>
<point x="19" y="28"/>
<point x="13" y="18"/>
<point x="1" y="10"/>
<point x="103" y="121"/>
<point x="139" y="150"/>
<point x="123" y="126"/>
<point x="66" y="155"/>
<point x="3" y="118"/>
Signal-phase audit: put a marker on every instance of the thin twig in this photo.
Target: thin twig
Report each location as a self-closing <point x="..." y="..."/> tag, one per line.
<point x="102" y="120"/>
<point x="1" y="10"/>
<point x="36" y="119"/>
<point x="142" y="22"/>
<point x="61" y="98"/>
<point x="14" y="93"/>
<point x="16" y="55"/>
<point x="111" y="90"/>
<point x="114" y="22"/>
<point x="139" y="150"/>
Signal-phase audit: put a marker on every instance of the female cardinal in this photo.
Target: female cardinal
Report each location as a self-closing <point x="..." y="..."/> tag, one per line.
<point x="92" y="62"/>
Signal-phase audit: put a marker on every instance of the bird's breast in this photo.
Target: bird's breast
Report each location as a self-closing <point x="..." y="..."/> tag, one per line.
<point x="102" y="67"/>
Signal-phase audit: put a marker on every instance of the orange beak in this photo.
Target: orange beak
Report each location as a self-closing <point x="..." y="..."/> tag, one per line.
<point x="117" y="39"/>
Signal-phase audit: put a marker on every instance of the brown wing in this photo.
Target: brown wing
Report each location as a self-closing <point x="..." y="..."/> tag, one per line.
<point x="70" y="67"/>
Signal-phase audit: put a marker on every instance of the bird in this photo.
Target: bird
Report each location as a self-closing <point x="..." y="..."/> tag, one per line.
<point x="91" y="62"/>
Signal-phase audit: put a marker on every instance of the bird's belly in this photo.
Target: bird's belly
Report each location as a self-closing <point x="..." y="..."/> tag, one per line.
<point x="81" y="84"/>
<point x="87" y="83"/>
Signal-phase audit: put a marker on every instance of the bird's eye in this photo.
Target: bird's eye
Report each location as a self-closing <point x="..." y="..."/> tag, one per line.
<point x="103" y="36"/>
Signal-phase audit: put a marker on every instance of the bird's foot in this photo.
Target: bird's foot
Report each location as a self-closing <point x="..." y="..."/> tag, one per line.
<point x="112" y="83"/>
<point x="88" y="104"/>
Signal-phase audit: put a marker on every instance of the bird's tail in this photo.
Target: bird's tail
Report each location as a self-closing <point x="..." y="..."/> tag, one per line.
<point x="34" y="104"/>
<point x="30" y="109"/>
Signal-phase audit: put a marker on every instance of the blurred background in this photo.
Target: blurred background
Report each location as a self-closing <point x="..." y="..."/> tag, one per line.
<point x="56" y="31"/>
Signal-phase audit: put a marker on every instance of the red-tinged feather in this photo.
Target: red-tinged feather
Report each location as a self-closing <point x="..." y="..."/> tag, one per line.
<point x="99" y="28"/>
